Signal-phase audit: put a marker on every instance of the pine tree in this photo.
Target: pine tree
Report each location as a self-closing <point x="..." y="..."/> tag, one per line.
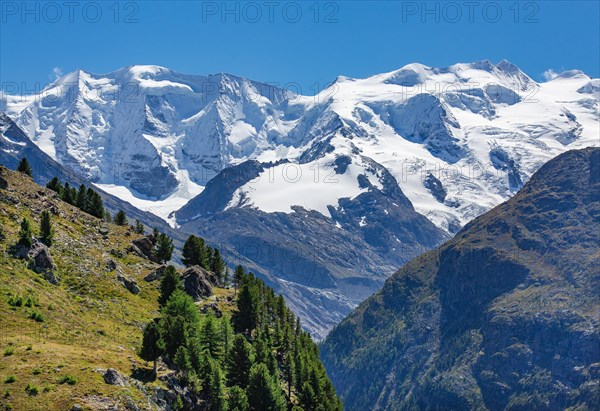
<point x="107" y="216"/>
<point x="239" y="361"/>
<point x="55" y="185"/>
<point x="192" y="251"/>
<point x="289" y="366"/>
<point x="263" y="392"/>
<point x="96" y="207"/>
<point x="120" y="218"/>
<point x="82" y="199"/>
<point x="169" y="283"/>
<point x="46" y="230"/>
<point x="179" y="323"/>
<point x="67" y="195"/>
<point x="217" y="265"/>
<point x="227" y="335"/>
<point x="308" y="398"/>
<point x="25" y="234"/>
<point x="151" y="344"/>
<point x="237" y="400"/>
<point x="182" y="359"/>
<point x="210" y="338"/>
<point x="24" y="167"/>
<point x="238" y="277"/>
<point x="139" y="227"/>
<point x="163" y="251"/>
<point x="245" y="317"/>
<point x="217" y="390"/>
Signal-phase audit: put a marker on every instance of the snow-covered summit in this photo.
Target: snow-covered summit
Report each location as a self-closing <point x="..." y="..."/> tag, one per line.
<point x="155" y="136"/>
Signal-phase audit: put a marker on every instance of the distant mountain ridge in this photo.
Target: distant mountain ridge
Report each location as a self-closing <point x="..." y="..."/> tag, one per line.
<point x="505" y="316"/>
<point x="357" y="163"/>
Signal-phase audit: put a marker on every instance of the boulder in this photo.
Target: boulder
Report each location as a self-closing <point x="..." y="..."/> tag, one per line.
<point x="39" y="259"/>
<point x="129" y="283"/>
<point x="196" y="283"/>
<point x="143" y="247"/>
<point x="113" y="377"/>
<point x="155" y="274"/>
<point x="111" y="265"/>
<point x="3" y="183"/>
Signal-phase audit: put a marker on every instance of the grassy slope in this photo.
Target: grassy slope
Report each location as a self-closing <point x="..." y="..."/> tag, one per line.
<point x="90" y="320"/>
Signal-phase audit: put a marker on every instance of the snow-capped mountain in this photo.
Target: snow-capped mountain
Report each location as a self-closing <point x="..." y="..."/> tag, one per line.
<point x="345" y="176"/>
<point x="459" y="140"/>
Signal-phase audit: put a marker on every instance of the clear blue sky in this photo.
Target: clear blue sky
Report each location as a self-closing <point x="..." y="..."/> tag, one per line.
<point x="293" y="42"/>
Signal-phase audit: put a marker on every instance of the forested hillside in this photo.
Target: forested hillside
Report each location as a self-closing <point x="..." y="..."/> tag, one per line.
<point x="93" y="316"/>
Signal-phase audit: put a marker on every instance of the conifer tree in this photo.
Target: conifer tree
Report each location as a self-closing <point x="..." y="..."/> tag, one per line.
<point x="67" y="195"/>
<point x="163" y="250"/>
<point x="263" y="392"/>
<point x="210" y="338"/>
<point x="217" y="390"/>
<point x="139" y="227"/>
<point x="192" y="251"/>
<point x="151" y="344"/>
<point x="120" y="218"/>
<point x="24" y="167"/>
<point x="239" y="361"/>
<point x="179" y="323"/>
<point x="217" y="265"/>
<point x="238" y="277"/>
<point x="169" y="283"/>
<point x="237" y="400"/>
<point x="25" y="234"/>
<point x="55" y="185"/>
<point x="96" y="208"/>
<point x="81" y="201"/>
<point x="182" y="359"/>
<point x="46" y="230"/>
<point x="246" y="315"/>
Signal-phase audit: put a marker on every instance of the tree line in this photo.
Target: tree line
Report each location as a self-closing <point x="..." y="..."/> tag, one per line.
<point x="257" y="359"/>
<point x="84" y="198"/>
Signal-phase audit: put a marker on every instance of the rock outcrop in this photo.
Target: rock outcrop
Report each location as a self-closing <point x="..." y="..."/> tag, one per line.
<point x="113" y="377"/>
<point x="129" y="283"/>
<point x="197" y="283"/>
<point x="155" y="274"/>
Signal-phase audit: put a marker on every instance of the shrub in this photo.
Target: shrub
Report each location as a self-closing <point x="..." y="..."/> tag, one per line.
<point x="36" y="371"/>
<point x="36" y="316"/>
<point x="15" y="301"/>
<point x="10" y="379"/>
<point x="9" y="351"/>
<point x="67" y="379"/>
<point x="32" y="390"/>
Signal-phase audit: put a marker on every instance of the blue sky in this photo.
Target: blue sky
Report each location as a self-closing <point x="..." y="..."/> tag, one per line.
<point x="288" y="42"/>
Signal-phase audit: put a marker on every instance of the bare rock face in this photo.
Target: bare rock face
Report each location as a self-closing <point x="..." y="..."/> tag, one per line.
<point x="196" y="282"/>
<point x="129" y="283"/>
